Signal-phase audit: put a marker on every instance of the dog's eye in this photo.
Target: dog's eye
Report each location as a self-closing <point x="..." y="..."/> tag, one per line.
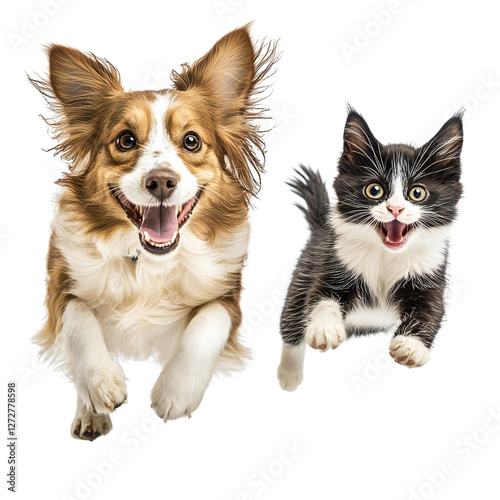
<point x="374" y="191"/>
<point x="125" y="141"/>
<point x="192" y="142"/>
<point x="418" y="193"/>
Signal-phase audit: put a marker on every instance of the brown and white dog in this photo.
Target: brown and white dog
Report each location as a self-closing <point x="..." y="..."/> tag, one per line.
<point x="151" y="230"/>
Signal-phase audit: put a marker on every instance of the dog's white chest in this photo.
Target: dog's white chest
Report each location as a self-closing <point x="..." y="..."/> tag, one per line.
<point x="144" y="308"/>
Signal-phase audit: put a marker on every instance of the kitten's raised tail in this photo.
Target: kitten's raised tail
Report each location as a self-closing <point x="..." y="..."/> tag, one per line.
<point x="309" y="185"/>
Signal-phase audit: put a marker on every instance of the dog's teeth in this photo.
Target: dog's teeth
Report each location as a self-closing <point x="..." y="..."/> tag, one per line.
<point x="140" y="210"/>
<point x="159" y="245"/>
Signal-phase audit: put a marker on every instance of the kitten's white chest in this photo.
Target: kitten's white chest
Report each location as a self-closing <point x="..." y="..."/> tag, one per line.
<point x="363" y="253"/>
<point x="382" y="317"/>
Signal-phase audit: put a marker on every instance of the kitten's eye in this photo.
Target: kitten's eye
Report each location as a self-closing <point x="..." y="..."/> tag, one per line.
<point x="374" y="191"/>
<point x="192" y="142"/>
<point x="418" y="193"/>
<point x="125" y="141"/>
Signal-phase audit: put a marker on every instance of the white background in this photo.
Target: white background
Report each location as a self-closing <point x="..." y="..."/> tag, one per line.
<point x="362" y="426"/>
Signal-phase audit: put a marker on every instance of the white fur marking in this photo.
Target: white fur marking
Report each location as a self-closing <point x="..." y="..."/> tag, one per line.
<point x="159" y="151"/>
<point x="290" y="370"/>
<point x="99" y="381"/>
<point x="362" y="250"/>
<point x="326" y="329"/>
<point x="409" y="351"/>
<point x="182" y="383"/>
<point x="366" y="317"/>
<point x="411" y="213"/>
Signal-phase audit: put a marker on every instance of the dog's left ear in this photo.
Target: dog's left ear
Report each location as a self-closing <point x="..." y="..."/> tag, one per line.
<point x="229" y="77"/>
<point x="226" y="71"/>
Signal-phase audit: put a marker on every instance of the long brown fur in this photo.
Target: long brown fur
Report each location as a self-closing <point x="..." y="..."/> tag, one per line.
<point x="89" y="106"/>
<point x="240" y="138"/>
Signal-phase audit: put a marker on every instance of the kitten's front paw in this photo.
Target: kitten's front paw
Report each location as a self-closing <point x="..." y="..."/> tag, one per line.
<point x="289" y="378"/>
<point x="325" y="335"/>
<point x="409" y="351"/>
<point x="102" y="387"/>
<point x="171" y="400"/>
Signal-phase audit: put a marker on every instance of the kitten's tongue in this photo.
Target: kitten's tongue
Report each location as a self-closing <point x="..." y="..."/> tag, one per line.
<point x="160" y="223"/>
<point x="395" y="231"/>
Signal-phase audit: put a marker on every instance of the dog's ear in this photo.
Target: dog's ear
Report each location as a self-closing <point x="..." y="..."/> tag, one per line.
<point x="229" y="79"/>
<point x="79" y="89"/>
<point x="226" y="71"/>
<point x="80" y="81"/>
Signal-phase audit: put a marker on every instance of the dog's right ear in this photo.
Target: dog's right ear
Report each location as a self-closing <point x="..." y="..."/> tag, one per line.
<point x="81" y="82"/>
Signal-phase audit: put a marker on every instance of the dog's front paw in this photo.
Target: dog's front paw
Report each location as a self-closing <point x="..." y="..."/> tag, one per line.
<point x="409" y="351"/>
<point x="88" y="426"/>
<point x="325" y="335"/>
<point x="102" y="387"/>
<point x="172" y="399"/>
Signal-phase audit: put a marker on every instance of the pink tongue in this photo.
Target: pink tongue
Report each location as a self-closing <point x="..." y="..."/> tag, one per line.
<point x="160" y="223"/>
<point x="395" y="230"/>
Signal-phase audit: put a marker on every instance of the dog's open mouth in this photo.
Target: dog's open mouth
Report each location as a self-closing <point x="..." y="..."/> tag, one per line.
<point x="158" y="226"/>
<point x="395" y="233"/>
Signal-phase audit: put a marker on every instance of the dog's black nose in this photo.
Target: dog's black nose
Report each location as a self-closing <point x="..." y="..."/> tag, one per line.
<point x="161" y="182"/>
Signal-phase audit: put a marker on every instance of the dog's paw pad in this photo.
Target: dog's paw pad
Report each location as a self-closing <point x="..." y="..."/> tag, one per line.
<point x="409" y="351"/>
<point x="88" y="426"/>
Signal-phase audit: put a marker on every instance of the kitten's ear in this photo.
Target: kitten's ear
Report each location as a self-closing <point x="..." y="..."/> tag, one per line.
<point x="441" y="155"/>
<point x="446" y="145"/>
<point x="360" y="145"/>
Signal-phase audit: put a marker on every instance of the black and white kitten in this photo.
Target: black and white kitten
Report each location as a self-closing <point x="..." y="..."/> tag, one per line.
<point x="377" y="259"/>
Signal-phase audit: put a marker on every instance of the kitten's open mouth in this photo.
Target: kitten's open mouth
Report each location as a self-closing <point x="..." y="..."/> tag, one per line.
<point x="158" y="226"/>
<point x="395" y="233"/>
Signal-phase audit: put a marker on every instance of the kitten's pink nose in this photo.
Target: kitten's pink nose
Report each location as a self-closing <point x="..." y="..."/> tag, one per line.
<point x="396" y="210"/>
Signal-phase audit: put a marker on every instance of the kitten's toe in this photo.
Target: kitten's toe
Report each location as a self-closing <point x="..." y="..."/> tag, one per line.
<point x="325" y="336"/>
<point x="326" y="329"/>
<point x="409" y="351"/>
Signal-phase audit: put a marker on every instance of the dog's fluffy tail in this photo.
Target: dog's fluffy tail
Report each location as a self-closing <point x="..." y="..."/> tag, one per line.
<point x="309" y="185"/>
